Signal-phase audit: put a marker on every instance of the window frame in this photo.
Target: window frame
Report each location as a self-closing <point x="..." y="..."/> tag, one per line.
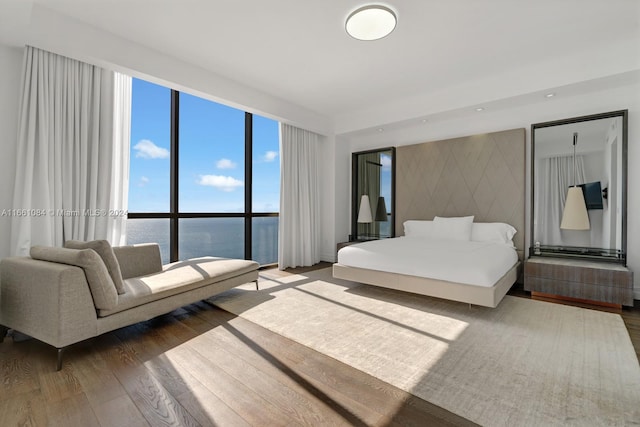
<point x="174" y="214"/>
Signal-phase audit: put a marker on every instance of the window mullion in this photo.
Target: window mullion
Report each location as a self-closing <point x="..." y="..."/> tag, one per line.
<point x="173" y="209"/>
<point x="248" y="181"/>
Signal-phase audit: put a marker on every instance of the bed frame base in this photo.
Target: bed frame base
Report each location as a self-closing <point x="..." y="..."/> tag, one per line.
<point x="477" y="295"/>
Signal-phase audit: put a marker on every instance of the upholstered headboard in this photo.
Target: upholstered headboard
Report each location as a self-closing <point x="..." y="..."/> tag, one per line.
<point x="480" y="175"/>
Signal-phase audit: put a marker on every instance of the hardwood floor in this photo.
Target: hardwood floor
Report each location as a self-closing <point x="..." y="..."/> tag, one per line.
<point x="198" y="366"/>
<point x="202" y="366"/>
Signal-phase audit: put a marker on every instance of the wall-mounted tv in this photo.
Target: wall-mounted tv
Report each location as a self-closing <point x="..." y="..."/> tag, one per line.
<point x="592" y="192"/>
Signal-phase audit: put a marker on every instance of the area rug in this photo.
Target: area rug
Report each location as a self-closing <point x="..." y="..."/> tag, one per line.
<point x="525" y="362"/>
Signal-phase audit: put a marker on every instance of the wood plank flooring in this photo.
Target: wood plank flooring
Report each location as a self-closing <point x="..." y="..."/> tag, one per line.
<point x="198" y="366"/>
<point x="202" y="366"/>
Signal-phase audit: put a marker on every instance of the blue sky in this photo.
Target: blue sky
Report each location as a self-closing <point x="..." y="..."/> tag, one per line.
<point x="211" y="168"/>
<point x="385" y="179"/>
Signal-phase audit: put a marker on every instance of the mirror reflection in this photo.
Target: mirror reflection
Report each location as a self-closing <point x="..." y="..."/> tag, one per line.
<point x="373" y="195"/>
<point x="579" y="186"/>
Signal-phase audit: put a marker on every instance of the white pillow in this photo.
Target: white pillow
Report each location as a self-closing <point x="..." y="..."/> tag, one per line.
<point x="418" y="228"/>
<point x="456" y="228"/>
<point x="497" y="232"/>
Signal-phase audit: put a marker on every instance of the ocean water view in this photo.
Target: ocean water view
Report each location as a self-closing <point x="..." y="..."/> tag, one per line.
<point x="219" y="237"/>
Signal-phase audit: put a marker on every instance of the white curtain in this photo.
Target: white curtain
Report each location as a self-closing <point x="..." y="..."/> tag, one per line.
<point x="555" y="177"/>
<point x="299" y="230"/>
<point x="119" y="197"/>
<point x="72" y="157"/>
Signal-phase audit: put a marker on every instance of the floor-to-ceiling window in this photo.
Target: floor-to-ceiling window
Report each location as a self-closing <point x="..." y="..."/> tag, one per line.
<point x="204" y="177"/>
<point x="265" y="197"/>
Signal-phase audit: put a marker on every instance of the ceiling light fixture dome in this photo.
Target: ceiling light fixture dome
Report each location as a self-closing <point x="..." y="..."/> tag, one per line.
<point x="371" y="22"/>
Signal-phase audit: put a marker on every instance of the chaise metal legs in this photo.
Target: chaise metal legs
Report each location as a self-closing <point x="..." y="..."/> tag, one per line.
<point x="256" y="284"/>
<point x="60" y="353"/>
<point x="4" y="330"/>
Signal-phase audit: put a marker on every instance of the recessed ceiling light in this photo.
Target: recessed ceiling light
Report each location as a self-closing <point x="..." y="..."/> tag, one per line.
<point x="371" y="22"/>
<point x="550" y="95"/>
<point x="423" y="120"/>
<point x="479" y="109"/>
<point x="380" y="130"/>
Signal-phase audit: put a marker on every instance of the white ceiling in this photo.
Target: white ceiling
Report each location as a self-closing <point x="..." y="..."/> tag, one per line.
<point x="558" y="140"/>
<point x="444" y="55"/>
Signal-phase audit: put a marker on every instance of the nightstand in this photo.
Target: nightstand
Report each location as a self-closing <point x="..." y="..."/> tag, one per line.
<point x="592" y="282"/>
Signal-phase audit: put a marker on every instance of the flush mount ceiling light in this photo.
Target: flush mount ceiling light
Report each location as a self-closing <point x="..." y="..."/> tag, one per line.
<point x="371" y="22"/>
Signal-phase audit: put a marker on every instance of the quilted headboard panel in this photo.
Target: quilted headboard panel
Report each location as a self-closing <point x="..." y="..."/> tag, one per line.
<point x="480" y="175"/>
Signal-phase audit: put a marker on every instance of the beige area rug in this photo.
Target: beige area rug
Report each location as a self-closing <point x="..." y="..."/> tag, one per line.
<point x="523" y="363"/>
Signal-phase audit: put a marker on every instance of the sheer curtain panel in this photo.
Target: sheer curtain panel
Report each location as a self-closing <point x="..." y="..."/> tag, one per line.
<point x="119" y="197"/>
<point x="299" y="230"/>
<point x="72" y="157"/>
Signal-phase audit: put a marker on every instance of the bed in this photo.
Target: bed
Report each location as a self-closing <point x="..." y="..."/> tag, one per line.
<point x="480" y="177"/>
<point x="473" y="267"/>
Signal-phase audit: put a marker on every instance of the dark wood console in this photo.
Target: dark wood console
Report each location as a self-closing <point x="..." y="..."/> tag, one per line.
<point x="576" y="279"/>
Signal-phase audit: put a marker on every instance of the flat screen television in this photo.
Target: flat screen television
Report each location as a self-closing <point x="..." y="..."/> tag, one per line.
<point x="592" y="192"/>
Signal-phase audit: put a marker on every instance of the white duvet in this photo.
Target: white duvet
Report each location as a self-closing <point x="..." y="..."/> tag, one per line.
<point x="472" y="263"/>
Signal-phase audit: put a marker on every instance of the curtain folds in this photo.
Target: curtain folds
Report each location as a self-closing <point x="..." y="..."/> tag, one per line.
<point x="119" y="195"/>
<point x="299" y="230"/>
<point x="72" y="153"/>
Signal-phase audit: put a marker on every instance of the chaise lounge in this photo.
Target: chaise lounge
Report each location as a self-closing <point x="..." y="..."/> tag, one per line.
<point x="62" y="296"/>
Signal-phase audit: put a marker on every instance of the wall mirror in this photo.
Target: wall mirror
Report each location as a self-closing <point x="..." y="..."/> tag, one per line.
<point x="579" y="187"/>
<point x="373" y="194"/>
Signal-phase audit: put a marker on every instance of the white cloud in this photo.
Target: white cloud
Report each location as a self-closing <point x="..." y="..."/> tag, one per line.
<point x="270" y="156"/>
<point x="148" y="150"/>
<point x="225" y="164"/>
<point x="224" y="183"/>
<point x="143" y="181"/>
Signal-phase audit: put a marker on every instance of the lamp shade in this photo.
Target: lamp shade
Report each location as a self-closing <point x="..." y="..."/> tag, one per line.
<point x="381" y="210"/>
<point x="364" y="213"/>
<point x="575" y="216"/>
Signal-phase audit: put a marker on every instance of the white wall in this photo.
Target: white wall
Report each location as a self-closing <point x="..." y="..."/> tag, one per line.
<point x="616" y="98"/>
<point x="10" y="72"/>
<point x="66" y="36"/>
<point x="341" y="193"/>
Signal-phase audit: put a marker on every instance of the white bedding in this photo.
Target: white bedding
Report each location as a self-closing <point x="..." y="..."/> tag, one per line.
<point x="468" y="262"/>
